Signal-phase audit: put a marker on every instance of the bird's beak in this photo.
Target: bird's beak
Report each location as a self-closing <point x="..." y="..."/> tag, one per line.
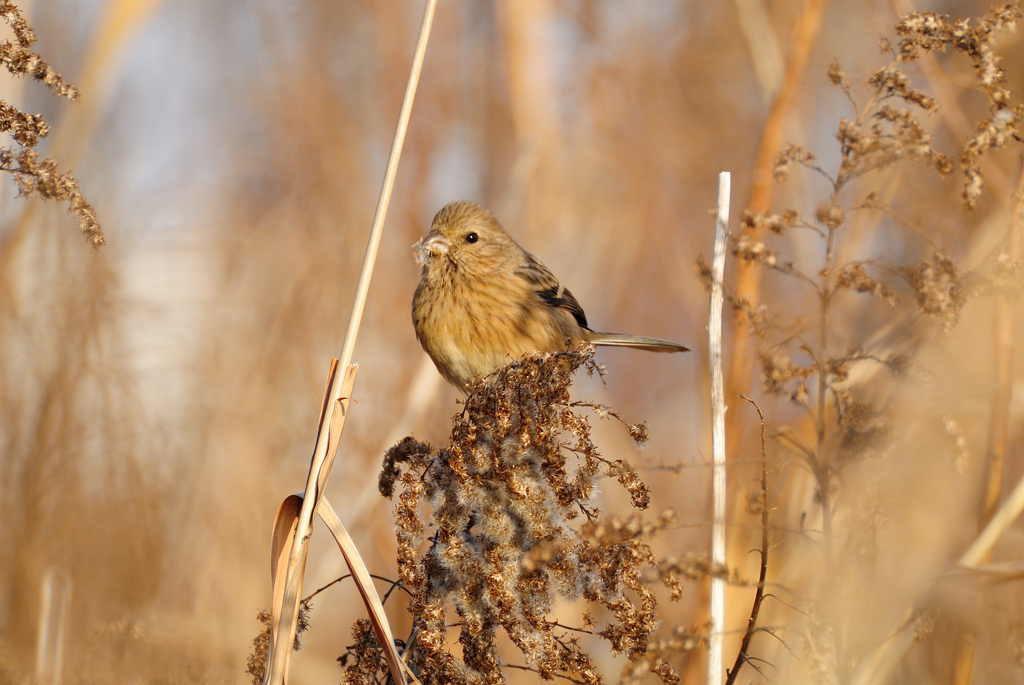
<point x="431" y="245"/>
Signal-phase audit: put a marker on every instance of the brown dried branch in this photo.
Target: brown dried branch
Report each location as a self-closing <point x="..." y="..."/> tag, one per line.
<point x="741" y="656"/>
<point x="38" y="178"/>
<point x="927" y="32"/>
<point x="19" y="61"/>
<point x="41" y="179"/>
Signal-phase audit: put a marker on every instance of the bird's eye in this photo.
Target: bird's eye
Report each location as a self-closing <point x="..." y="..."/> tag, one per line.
<point x="472" y="237"/>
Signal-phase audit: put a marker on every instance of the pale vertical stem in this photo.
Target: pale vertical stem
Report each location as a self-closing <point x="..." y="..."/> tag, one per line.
<point x="322" y="460"/>
<point x="53" y="618"/>
<point x="763" y="45"/>
<point x="718" y="408"/>
<point x="45" y="638"/>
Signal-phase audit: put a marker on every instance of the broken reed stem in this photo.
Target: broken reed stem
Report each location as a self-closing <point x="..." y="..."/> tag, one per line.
<point x="286" y="609"/>
<point x="322" y="457"/>
<point x="741" y="656"/>
<point x="718" y="408"/>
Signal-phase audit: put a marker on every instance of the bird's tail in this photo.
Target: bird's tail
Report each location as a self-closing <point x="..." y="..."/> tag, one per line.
<point x="637" y="342"/>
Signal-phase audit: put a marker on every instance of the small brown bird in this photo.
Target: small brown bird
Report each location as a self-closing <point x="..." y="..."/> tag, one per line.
<point x="484" y="301"/>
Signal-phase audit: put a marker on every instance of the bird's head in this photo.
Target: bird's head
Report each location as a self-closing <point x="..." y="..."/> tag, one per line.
<point x="465" y="237"/>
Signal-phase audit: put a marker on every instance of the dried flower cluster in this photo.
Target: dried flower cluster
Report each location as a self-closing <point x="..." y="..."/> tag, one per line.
<point x="41" y="179"/>
<point x="938" y="287"/>
<point x="19" y="61"/>
<point x="782" y="377"/>
<point x="924" y="32"/>
<point x="854" y="277"/>
<point x="878" y="136"/>
<point x="256" y="664"/>
<point x="519" y="468"/>
<point x="661" y="649"/>
<point x="38" y="178"/>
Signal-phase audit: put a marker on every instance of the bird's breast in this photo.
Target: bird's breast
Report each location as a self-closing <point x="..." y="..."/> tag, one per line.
<point x="471" y="326"/>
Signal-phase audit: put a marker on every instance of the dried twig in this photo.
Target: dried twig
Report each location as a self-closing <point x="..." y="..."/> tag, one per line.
<point x="741" y="656"/>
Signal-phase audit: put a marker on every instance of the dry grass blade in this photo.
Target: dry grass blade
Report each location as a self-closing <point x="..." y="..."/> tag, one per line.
<point x="377" y="229"/>
<point x="1001" y="521"/>
<point x="763" y="44"/>
<point x="56" y="598"/>
<point x="876" y="669"/>
<point x="283" y="633"/>
<point x="334" y="437"/>
<point x="280" y="547"/>
<point x="361" y="576"/>
<point x="999" y="572"/>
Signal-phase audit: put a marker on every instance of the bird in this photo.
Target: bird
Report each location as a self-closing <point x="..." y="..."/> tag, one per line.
<point x="483" y="301"/>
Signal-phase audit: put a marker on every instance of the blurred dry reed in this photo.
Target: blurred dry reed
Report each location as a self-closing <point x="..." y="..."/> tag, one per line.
<point x="156" y="394"/>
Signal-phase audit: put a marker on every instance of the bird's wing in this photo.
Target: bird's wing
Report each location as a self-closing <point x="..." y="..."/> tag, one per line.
<point x="549" y="290"/>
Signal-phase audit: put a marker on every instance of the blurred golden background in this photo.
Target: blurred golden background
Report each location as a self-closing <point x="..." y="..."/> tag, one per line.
<point x="158" y="397"/>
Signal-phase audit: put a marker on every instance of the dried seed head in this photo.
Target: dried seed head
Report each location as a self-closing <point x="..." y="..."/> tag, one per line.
<point x="830" y="215"/>
<point x="518" y="467"/>
<point x="854" y="277"/>
<point x="790" y="155"/>
<point x="837" y="77"/>
<point x="938" y="288"/>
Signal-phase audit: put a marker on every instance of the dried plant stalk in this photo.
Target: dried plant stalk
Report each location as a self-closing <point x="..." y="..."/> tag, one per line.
<point x="742" y="656"/>
<point x="338" y="395"/>
<point x="361" y="577"/>
<point x="882" y="133"/>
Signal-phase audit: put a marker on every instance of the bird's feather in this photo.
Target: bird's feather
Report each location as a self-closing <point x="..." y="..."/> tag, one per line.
<point x="549" y="290"/>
